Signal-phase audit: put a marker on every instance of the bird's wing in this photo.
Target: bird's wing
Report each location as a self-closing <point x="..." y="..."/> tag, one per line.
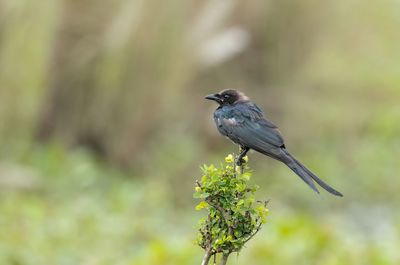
<point x="246" y="125"/>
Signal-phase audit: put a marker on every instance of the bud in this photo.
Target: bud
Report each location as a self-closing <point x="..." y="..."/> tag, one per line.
<point x="229" y="159"/>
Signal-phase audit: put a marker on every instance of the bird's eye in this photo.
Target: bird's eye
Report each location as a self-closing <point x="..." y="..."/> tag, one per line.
<point x="226" y="96"/>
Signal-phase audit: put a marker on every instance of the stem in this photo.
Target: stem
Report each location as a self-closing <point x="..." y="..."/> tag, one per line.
<point x="224" y="259"/>
<point x="234" y="165"/>
<point x="255" y="232"/>
<point x="224" y="214"/>
<point x="206" y="258"/>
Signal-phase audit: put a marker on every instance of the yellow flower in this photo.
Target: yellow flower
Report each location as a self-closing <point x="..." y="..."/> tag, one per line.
<point x="229" y="159"/>
<point x="197" y="189"/>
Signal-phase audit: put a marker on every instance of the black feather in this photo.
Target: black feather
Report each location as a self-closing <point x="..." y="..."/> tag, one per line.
<point x="315" y="178"/>
<point x="243" y="123"/>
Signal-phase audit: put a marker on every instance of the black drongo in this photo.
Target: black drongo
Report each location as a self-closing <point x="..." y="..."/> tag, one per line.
<point x="242" y="121"/>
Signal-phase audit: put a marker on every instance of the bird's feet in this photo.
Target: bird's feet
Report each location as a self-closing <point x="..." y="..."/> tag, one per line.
<point x="240" y="161"/>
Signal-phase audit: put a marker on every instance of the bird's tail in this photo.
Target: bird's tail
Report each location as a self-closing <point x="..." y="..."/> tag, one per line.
<point x="306" y="175"/>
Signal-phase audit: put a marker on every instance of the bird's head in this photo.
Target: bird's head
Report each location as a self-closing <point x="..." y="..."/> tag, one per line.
<point x="228" y="97"/>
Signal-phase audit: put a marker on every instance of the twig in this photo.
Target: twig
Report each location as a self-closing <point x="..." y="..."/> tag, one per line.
<point x="234" y="165"/>
<point x="224" y="214"/>
<point x="207" y="257"/>
<point x="255" y="232"/>
<point x="224" y="258"/>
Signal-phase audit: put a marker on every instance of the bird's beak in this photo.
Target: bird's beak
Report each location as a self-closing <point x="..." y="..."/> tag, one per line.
<point x="214" y="97"/>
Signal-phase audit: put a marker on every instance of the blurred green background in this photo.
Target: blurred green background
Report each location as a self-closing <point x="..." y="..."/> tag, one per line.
<point x="103" y="127"/>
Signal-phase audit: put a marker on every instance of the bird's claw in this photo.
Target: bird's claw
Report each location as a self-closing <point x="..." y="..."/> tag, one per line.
<point x="240" y="161"/>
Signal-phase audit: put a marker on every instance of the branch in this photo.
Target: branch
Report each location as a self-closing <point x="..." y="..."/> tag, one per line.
<point x="222" y="190"/>
<point x="255" y="232"/>
<point x="259" y="225"/>
<point x="224" y="214"/>
<point x="224" y="259"/>
<point x="207" y="257"/>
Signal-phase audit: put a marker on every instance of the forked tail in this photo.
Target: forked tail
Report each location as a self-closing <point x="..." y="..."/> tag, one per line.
<point x="306" y="175"/>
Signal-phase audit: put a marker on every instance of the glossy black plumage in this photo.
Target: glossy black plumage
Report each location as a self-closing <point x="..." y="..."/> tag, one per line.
<point x="242" y="121"/>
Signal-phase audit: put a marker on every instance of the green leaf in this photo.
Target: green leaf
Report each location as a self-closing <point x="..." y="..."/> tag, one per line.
<point x="232" y="192"/>
<point x="246" y="176"/>
<point x="201" y="205"/>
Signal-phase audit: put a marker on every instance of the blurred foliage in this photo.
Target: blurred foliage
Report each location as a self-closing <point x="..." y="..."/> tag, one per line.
<point x="82" y="212"/>
<point x="102" y="124"/>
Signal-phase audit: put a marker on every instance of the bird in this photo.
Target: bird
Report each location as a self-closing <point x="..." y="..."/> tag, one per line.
<point x="243" y="122"/>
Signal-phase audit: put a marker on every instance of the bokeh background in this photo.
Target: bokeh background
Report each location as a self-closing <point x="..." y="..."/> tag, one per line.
<point x="103" y="127"/>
